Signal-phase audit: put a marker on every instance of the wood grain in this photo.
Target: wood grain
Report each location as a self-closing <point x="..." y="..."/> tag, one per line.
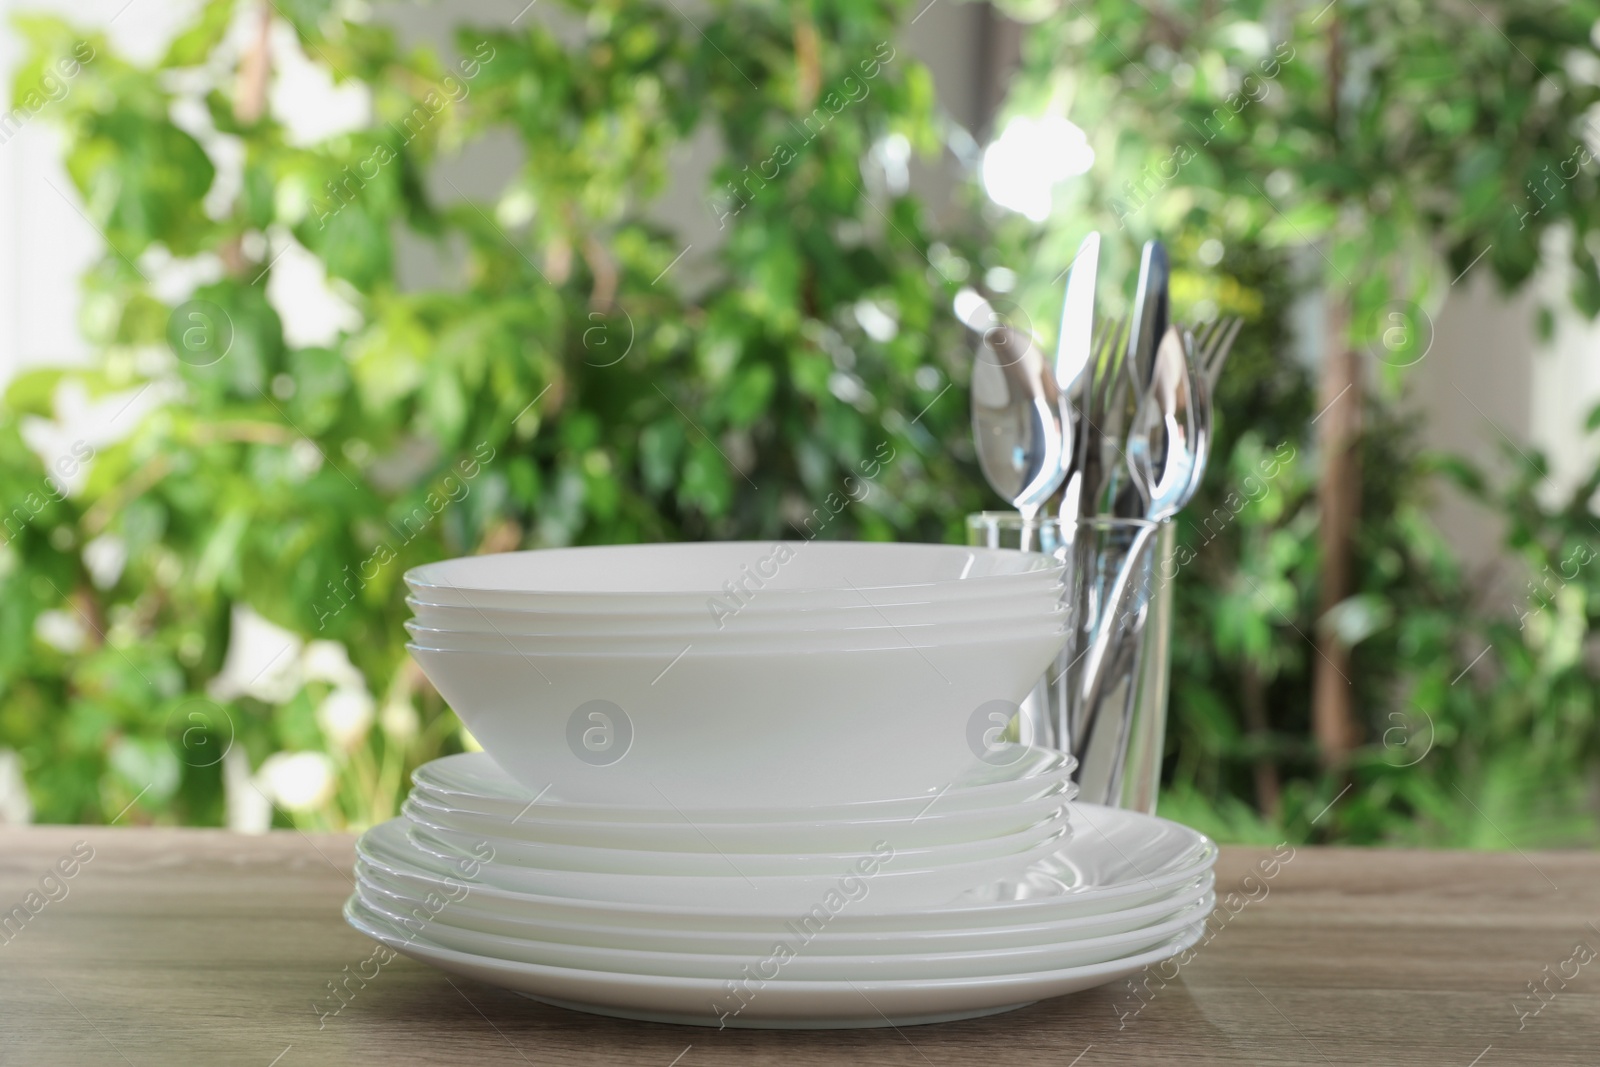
<point x="200" y="947"/>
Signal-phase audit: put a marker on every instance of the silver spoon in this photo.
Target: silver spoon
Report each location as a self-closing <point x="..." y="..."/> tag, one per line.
<point x="1018" y="421"/>
<point x="1162" y="445"/>
<point x="1203" y="414"/>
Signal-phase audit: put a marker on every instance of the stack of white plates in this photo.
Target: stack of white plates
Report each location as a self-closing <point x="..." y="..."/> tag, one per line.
<point x="762" y="785"/>
<point x="885" y="912"/>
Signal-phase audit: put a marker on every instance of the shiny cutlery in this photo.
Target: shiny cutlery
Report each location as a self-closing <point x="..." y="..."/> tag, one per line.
<point x="1019" y="424"/>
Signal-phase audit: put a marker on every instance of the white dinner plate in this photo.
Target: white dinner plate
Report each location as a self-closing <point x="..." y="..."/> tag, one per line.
<point x="801" y="961"/>
<point x="889" y="886"/>
<point x="1013" y="774"/>
<point x="775" y="1003"/>
<point x="462" y="909"/>
<point x="1116" y="860"/>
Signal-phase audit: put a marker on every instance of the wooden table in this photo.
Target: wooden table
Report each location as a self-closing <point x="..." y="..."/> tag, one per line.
<point x="199" y="947"/>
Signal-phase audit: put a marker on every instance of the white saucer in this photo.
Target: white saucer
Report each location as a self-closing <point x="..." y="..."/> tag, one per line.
<point x="775" y="1003"/>
<point x="933" y="828"/>
<point x="1116" y="860"/>
<point x="712" y="859"/>
<point x="472" y="782"/>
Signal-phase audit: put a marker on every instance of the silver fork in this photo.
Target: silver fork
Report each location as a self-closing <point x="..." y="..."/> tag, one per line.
<point x="1213" y="341"/>
<point x="1101" y="433"/>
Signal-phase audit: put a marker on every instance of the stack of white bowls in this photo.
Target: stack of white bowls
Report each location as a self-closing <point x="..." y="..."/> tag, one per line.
<point x="735" y="675"/>
<point x="762" y="785"/>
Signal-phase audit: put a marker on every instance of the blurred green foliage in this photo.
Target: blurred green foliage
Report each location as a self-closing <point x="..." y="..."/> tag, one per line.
<point x="1370" y="154"/>
<point x="564" y="385"/>
<point x="572" y="380"/>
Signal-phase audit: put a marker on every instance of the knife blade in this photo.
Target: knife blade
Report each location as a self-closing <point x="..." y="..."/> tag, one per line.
<point x="1074" y="353"/>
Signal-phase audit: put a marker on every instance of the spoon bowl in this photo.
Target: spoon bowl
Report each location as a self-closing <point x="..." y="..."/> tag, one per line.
<point x="1018" y="419"/>
<point x="1163" y="445"/>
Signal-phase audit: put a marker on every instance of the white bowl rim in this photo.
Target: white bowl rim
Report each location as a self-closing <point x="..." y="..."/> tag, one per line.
<point x="1011" y="625"/>
<point x="1028" y="566"/>
<point x="755" y="605"/>
<point x="720" y="653"/>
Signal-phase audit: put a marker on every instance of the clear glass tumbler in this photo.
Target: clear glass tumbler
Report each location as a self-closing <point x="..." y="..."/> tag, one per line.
<point x="1104" y="700"/>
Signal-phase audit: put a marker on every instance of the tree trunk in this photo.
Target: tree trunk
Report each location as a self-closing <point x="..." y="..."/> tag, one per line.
<point x="1339" y="504"/>
<point x="255" y="71"/>
<point x="251" y="84"/>
<point x="1253" y="700"/>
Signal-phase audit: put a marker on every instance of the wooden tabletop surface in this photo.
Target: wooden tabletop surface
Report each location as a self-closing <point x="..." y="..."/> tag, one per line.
<point x="198" y="947"/>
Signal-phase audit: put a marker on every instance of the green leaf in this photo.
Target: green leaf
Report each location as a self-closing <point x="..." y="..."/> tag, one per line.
<point x="143" y="179"/>
<point x="193" y="46"/>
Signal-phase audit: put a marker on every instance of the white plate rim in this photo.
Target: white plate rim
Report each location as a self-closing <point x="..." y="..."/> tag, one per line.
<point x="1161" y="952"/>
<point x="1181" y="897"/>
<point x="1178" y="921"/>
<point x="1203" y="852"/>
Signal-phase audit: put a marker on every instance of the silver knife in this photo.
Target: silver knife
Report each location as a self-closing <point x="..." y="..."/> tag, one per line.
<point x="1074" y="353"/>
<point x="1150" y="314"/>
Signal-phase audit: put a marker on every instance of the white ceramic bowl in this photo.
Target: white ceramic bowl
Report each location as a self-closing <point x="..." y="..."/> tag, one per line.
<point x="683" y="577"/>
<point x="473" y="784"/>
<point x="719" y="615"/>
<point x="738" y="730"/>
<point x="475" y="912"/>
<point x="707" y="640"/>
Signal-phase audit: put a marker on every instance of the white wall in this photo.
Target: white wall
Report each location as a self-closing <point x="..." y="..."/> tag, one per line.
<point x="46" y="242"/>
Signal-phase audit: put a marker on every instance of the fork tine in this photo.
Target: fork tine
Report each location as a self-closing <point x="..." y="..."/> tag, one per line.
<point x="1115" y="338"/>
<point x="1103" y="330"/>
<point x="1224" y="345"/>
